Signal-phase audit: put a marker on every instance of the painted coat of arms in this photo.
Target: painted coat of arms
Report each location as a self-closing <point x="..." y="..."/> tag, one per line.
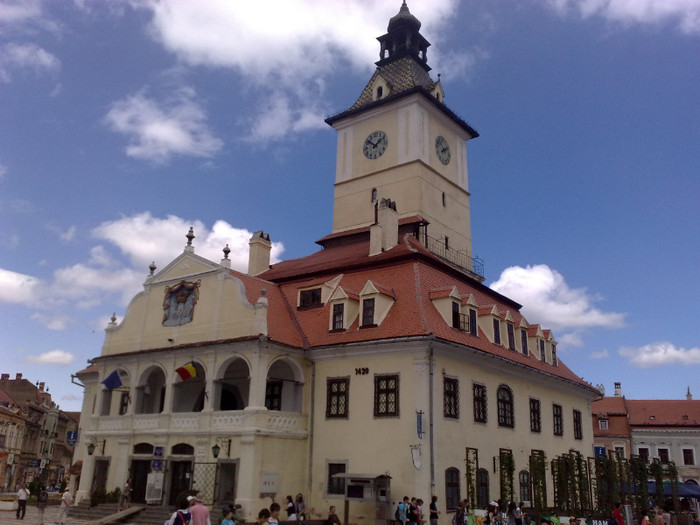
<point x="179" y="303"/>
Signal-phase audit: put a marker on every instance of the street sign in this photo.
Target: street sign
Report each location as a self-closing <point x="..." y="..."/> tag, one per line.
<point x="157" y="464"/>
<point x="158" y="452"/>
<point x="72" y="437"/>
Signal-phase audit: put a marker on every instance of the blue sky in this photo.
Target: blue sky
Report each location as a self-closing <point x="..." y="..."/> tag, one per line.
<point x="124" y="123"/>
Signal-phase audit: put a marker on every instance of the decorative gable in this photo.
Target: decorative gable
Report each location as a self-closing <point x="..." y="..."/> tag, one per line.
<point x="380" y="88"/>
<point x="490" y="323"/>
<point x="375" y="301"/>
<point x="317" y="294"/>
<point x="344" y="308"/>
<point x="444" y="301"/>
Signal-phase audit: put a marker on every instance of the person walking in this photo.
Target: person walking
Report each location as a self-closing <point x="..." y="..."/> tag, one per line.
<point x="434" y="512"/>
<point x="66" y="502"/>
<point x="199" y="511"/>
<point x="41" y="502"/>
<point x="22" y="495"/>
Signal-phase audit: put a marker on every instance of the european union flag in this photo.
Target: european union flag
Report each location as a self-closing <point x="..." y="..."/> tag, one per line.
<point x="113" y="381"/>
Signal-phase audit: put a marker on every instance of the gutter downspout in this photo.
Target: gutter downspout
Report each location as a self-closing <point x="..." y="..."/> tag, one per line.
<point x="431" y="354"/>
<point x="311" y="426"/>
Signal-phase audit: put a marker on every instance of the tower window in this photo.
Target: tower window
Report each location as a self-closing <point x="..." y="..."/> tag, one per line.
<point x="444" y="199"/>
<point x="374" y="194"/>
<point x="380" y="92"/>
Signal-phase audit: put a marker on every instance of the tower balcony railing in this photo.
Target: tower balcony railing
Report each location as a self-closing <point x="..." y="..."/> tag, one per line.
<point x="474" y="266"/>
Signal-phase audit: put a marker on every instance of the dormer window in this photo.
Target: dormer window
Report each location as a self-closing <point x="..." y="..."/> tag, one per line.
<point x="523" y="340"/>
<point x="368" y="312"/>
<point x="310" y="298"/>
<point x="543" y="352"/>
<point x="472" y="321"/>
<point x="511" y="336"/>
<point x="497" y="331"/>
<point x="455" y="315"/>
<point x="554" y="354"/>
<point x="338" y="316"/>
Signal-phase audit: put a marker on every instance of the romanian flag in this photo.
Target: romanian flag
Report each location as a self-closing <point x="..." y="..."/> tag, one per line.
<point x="187" y="371"/>
<point x="113" y="381"/>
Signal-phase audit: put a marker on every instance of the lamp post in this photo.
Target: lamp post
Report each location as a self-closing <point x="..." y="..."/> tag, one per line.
<point x="216" y="449"/>
<point x="91" y="447"/>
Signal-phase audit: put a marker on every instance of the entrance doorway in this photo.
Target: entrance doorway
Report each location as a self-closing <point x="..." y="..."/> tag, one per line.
<point x="225" y="484"/>
<point x="180" y="480"/>
<point x="139" y="478"/>
<point x="99" y="478"/>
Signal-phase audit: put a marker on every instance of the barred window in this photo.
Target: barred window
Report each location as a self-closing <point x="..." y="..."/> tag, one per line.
<point x="337" y="391"/>
<point x="451" y="398"/>
<point x="386" y="395"/>
<point x="578" y="427"/>
<point x="452" y="488"/>
<point x="336" y="485"/>
<point x="535" y="416"/>
<point x="558" y="422"/>
<point x="505" y="407"/>
<point x="524" y="479"/>
<point x="310" y="298"/>
<point x="480" y="409"/>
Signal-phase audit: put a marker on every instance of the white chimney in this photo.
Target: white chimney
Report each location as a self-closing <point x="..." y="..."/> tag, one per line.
<point x="259" y="255"/>
<point x="618" y="389"/>
<point x="384" y="234"/>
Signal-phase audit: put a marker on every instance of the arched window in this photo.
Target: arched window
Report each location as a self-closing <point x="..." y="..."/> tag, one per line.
<point x="182" y="449"/>
<point x="505" y="407"/>
<point x="143" y="448"/>
<point x="482" y="488"/>
<point x="452" y="488"/>
<point x="525" y="494"/>
<point x="380" y="92"/>
<point x="374" y="194"/>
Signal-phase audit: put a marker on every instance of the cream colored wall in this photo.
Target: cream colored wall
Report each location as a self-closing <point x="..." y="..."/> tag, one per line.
<point x="376" y="445"/>
<point x="222" y="312"/>
<point x="409" y="172"/>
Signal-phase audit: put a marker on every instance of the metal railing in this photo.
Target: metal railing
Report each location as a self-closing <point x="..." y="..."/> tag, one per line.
<point x="438" y="247"/>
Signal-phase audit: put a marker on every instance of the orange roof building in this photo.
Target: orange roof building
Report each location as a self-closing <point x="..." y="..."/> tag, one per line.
<point x="382" y="356"/>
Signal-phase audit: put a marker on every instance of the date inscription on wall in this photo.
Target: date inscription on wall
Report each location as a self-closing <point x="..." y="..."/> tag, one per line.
<point x="361" y="371"/>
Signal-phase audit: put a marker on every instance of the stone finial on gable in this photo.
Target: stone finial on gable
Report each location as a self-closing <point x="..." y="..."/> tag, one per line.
<point x="226" y="262"/>
<point x="190" y="237"/>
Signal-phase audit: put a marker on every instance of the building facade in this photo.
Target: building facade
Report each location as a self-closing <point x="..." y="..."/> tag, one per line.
<point x="653" y="429"/>
<point x="379" y="366"/>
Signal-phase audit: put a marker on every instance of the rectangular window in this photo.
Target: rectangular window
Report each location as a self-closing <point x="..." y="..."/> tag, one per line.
<point x="310" y="298"/>
<point x="603" y="424"/>
<point x="273" y="395"/>
<point x="511" y="336"/>
<point x="497" y="331"/>
<point x="338" y="314"/>
<point x="337" y="390"/>
<point x="386" y="396"/>
<point x="451" y="397"/>
<point x="472" y="321"/>
<point x="523" y="340"/>
<point x="480" y="412"/>
<point x="554" y="355"/>
<point x="452" y="489"/>
<point x="558" y="421"/>
<point x="688" y="456"/>
<point x="663" y="455"/>
<point x="578" y="428"/>
<point x="643" y="453"/>
<point x="543" y="354"/>
<point x="124" y="403"/>
<point x="535" y="416"/>
<point x="455" y="315"/>
<point x="620" y="452"/>
<point x="336" y="485"/>
<point x="368" y="312"/>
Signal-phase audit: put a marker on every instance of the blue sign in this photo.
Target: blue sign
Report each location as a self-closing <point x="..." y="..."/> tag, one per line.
<point x="599" y="451"/>
<point x="156" y="464"/>
<point x="158" y="452"/>
<point x="72" y="437"/>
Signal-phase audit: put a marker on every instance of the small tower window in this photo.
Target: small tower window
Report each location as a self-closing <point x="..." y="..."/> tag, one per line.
<point x="380" y="92"/>
<point x="444" y="199"/>
<point x="374" y="194"/>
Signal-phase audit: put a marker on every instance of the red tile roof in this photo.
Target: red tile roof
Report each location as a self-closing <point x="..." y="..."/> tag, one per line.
<point x="663" y="413"/>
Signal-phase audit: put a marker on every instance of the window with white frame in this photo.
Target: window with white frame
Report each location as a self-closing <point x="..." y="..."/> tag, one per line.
<point x="603" y="424"/>
<point x="688" y="456"/>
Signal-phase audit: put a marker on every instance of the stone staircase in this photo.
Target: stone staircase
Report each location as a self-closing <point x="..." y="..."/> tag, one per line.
<point x="151" y="515"/>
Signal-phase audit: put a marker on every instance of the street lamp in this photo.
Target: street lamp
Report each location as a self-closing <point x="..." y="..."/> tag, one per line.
<point x="216" y="449"/>
<point x="91" y="447"/>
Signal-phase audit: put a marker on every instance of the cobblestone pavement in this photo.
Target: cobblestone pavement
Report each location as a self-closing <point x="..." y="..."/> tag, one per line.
<point x="8" y="517"/>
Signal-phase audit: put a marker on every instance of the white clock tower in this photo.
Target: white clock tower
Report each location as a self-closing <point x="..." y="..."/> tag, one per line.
<point x="399" y="141"/>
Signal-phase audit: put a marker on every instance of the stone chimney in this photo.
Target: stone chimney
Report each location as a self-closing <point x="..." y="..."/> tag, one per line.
<point x="618" y="389"/>
<point x="688" y="395"/>
<point x="18" y="377"/>
<point x="259" y="255"/>
<point x="5" y="377"/>
<point x="41" y="386"/>
<point x="384" y="234"/>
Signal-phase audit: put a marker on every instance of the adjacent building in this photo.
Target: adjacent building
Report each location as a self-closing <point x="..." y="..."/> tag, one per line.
<point x="663" y="429"/>
<point x="377" y="367"/>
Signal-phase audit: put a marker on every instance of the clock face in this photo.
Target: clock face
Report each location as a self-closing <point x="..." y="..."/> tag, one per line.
<point x="375" y="145"/>
<point x="442" y="148"/>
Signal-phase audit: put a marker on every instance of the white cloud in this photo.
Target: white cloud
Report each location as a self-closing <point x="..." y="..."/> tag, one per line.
<point x="56" y="322"/>
<point x="158" y="131"/>
<point x="661" y="354"/>
<point x="53" y="357"/>
<point x="26" y="56"/>
<point x="684" y="13"/>
<point x="18" y="12"/>
<point x="548" y="300"/>
<point x="602" y="354"/>
<point x="294" y="48"/>
<point x="17" y="288"/>
<point x="3" y="172"/>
